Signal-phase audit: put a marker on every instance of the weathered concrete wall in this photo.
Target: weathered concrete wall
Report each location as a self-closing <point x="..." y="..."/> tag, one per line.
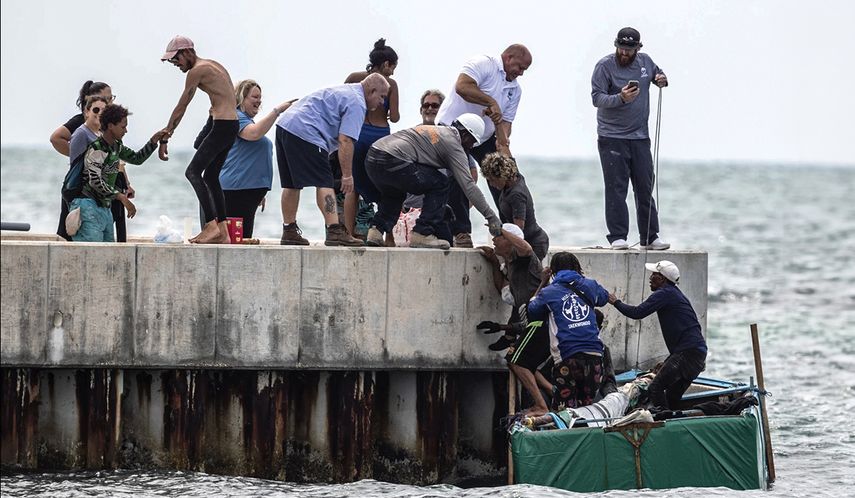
<point x="272" y="307"/>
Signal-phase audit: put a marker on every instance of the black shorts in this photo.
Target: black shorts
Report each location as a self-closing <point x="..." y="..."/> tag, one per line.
<point x="301" y="163"/>
<point x="532" y="347"/>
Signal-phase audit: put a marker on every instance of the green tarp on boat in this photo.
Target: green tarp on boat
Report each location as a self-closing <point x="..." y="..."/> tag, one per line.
<point x="697" y="452"/>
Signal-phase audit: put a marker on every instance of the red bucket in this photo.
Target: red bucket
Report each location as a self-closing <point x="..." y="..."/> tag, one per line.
<point x="235" y="228"/>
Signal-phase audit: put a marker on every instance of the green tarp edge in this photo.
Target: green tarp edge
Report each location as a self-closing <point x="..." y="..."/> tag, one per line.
<point x="696" y="452"/>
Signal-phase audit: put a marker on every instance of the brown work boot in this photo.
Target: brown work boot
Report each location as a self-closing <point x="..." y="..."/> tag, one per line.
<point x="418" y="240"/>
<point x="463" y="240"/>
<point x="292" y="236"/>
<point x="337" y="236"/>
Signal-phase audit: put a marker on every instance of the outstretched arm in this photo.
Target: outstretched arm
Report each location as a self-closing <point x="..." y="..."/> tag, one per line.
<point x="193" y="79"/>
<point x="255" y="131"/>
<point x="503" y="138"/>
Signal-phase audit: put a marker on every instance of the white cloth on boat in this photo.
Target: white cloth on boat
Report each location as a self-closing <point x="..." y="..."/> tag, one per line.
<point x="613" y="405"/>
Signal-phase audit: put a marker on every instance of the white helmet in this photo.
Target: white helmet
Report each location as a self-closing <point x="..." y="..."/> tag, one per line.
<point x="474" y="124"/>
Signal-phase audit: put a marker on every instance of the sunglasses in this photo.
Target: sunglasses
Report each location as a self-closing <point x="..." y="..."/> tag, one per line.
<point x="430" y="105"/>
<point x="96" y="110"/>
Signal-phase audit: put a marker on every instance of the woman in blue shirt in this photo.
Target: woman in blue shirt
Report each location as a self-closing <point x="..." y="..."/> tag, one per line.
<point x="247" y="174"/>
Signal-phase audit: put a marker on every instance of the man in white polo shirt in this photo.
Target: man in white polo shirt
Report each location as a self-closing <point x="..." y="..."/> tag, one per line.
<point x="487" y="86"/>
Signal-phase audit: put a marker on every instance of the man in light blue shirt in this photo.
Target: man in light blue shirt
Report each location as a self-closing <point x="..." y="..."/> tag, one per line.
<point x="317" y="125"/>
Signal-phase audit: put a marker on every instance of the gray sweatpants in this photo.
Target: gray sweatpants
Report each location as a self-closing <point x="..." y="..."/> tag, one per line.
<point x="624" y="161"/>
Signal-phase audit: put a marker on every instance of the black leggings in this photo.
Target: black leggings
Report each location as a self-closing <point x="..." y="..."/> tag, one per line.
<point x="243" y="204"/>
<point x="203" y="172"/>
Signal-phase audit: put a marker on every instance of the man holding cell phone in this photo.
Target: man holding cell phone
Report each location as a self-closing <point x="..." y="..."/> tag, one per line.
<point x="620" y="90"/>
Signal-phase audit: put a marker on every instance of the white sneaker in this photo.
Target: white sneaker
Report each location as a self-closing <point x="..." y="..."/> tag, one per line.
<point x="620" y="245"/>
<point x="658" y="245"/>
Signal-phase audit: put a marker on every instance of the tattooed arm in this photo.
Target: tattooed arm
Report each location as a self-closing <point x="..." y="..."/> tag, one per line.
<point x="193" y="78"/>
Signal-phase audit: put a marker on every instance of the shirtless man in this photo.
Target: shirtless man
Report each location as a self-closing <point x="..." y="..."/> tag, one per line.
<point x="213" y="79"/>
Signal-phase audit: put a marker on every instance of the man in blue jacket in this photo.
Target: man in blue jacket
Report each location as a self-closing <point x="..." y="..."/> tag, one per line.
<point x="681" y="330"/>
<point x="568" y="303"/>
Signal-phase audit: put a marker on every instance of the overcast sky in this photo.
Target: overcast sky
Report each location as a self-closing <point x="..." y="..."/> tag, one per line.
<point x="750" y="80"/>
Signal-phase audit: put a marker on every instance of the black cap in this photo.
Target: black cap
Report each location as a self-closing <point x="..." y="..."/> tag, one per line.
<point x="628" y="37"/>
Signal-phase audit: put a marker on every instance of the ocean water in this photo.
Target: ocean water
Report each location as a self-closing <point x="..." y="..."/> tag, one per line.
<point x="780" y="240"/>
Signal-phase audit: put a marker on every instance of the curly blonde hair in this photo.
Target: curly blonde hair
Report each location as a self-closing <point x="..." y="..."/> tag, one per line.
<point x="499" y="166"/>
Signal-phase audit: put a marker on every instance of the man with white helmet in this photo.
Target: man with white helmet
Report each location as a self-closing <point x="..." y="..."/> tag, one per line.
<point x="420" y="160"/>
<point x="487" y="86"/>
<point x="680" y="328"/>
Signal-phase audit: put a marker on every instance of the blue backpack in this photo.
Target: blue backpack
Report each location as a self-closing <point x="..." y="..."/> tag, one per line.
<point x="72" y="185"/>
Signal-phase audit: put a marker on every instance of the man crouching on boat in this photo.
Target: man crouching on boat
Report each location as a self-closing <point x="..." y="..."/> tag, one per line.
<point x="681" y="330"/>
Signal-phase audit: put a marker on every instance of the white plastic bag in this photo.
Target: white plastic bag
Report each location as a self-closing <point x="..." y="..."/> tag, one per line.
<point x="166" y="234"/>
<point x="404" y="228"/>
<point x="73" y="222"/>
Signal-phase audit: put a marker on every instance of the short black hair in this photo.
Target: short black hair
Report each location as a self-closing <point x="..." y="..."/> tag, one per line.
<point x="565" y="261"/>
<point x="113" y="114"/>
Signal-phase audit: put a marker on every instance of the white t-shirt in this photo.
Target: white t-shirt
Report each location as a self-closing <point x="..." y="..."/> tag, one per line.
<point x="489" y="74"/>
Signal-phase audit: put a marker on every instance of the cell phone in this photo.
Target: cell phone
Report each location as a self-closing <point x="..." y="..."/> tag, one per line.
<point x="632" y="84"/>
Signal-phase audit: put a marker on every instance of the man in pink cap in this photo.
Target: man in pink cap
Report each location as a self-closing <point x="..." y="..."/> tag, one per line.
<point x="217" y="136"/>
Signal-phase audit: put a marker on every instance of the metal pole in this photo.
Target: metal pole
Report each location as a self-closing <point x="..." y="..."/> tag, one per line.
<point x="758" y="367"/>
<point x="512" y="404"/>
<point x="12" y="225"/>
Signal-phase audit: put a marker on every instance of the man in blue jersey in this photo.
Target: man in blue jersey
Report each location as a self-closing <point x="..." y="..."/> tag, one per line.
<point x="681" y="330"/>
<point x="568" y="304"/>
<point x="620" y="90"/>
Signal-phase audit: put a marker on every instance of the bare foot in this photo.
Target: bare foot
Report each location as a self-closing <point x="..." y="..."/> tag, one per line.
<point x="224" y="234"/>
<point x="210" y="234"/>
<point x="535" y="411"/>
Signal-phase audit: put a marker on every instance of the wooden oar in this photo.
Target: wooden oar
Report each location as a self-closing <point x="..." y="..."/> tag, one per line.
<point x="512" y="409"/>
<point x="758" y="367"/>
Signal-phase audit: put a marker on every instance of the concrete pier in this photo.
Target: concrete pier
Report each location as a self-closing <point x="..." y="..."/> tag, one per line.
<point x="318" y="364"/>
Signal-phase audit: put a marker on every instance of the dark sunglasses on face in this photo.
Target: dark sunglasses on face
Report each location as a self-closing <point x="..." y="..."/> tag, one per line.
<point x="430" y="105"/>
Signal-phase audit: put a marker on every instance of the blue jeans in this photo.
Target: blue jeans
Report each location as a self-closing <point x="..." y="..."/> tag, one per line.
<point x="96" y="222"/>
<point x="394" y="179"/>
<point x="625" y="161"/>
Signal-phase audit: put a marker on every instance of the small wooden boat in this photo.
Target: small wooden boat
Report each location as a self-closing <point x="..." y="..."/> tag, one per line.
<point x="695" y="451"/>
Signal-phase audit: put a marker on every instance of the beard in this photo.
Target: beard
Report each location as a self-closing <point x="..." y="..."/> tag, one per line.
<point x="623" y="60"/>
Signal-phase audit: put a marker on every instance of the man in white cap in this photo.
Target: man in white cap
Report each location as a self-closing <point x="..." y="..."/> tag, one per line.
<point x="203" y="172"/>
<point x="527" y="341"/>
<point x="486" y="86"/>
<point x="425" y="160"/>
<point x="680" y="328"/>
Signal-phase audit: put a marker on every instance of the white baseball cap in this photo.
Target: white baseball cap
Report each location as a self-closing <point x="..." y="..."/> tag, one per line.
<point x="668" y="270"/>
<point x="513" y="229"/>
